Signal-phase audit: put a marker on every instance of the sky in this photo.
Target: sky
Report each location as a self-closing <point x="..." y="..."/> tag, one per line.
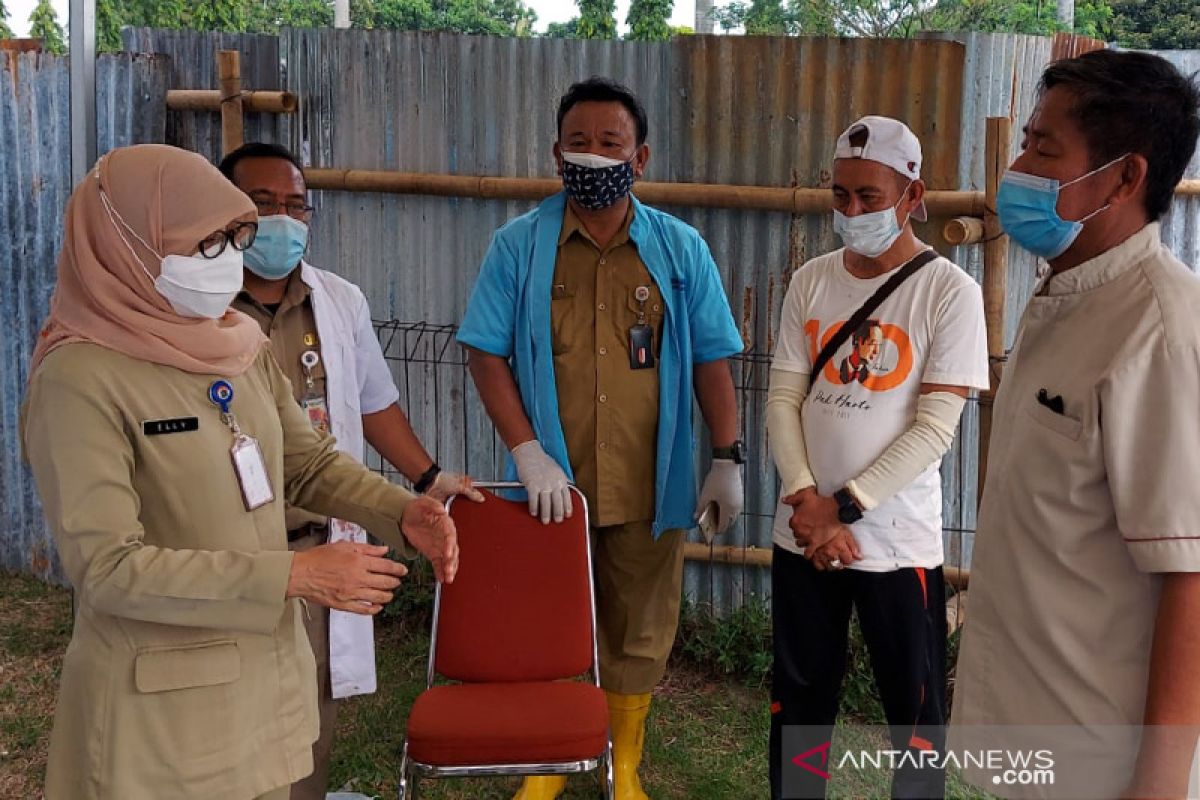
<point x="547" y="10"/>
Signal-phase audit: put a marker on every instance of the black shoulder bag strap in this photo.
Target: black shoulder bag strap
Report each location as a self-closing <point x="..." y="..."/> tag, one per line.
<point x="866" y="309"/>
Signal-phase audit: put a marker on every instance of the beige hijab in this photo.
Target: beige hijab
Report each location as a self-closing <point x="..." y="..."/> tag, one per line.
<point x="171" y="199"/>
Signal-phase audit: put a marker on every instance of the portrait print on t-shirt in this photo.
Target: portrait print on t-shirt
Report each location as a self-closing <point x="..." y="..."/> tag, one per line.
<point x="877" y="358"/>
<point x="866" y="354"/>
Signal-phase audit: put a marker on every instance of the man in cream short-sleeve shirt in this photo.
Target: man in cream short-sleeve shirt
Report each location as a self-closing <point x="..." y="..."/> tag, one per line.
<point x="1085" y="592"/>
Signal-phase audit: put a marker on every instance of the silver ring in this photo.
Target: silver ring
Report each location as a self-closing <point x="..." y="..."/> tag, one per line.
<point x="836" y="563"/>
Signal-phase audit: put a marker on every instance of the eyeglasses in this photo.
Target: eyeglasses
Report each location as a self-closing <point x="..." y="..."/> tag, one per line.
<point x="298" y="211"/>
<point x="241" y="236"/>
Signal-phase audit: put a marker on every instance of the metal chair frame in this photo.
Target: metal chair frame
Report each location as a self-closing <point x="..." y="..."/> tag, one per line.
<point x="411" y="770"/>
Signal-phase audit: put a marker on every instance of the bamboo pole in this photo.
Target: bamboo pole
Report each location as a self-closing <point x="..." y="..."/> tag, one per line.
<point x="963" y="230"/>
<point x="229" y="73"/>
<point x="968" y="208"/>
<point x="727" y="554"/>
<point x="761" y="557"/>
<point x="699" y="195"/>
<point x="997" y="146"/>
<point x="252" y="101"/>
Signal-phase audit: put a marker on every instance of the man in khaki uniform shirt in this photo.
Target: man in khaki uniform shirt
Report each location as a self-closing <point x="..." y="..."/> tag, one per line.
<point x="609" y="412"/>
<point x="1085" y="581"/>
<point x="284" y="295"/>
<point x="631" y="305"/>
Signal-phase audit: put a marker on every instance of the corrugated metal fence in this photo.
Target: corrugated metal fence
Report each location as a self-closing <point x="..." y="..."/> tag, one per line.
<point x="35" y="182"/>
<point x="741" y="110"/>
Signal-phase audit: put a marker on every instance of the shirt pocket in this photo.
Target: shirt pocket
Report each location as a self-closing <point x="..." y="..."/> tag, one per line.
<point x="186" y="696"/>
<point x="1060" y="424"/>
<point x="565" y="322"/>
<point x="163" y="669"/>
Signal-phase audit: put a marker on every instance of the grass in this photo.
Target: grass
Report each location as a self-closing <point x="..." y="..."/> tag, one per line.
<point x="706" y="739"/>
<point x="35" y="625"/>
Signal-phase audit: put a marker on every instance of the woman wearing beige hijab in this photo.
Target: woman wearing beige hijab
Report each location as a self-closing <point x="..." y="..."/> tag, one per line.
<point x="164" y="440"/>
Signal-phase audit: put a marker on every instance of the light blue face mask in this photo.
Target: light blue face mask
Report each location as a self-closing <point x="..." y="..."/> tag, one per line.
<point x="1028" y="209"/>
<point x="278" y="248"/>
<point x="871" y="234"/>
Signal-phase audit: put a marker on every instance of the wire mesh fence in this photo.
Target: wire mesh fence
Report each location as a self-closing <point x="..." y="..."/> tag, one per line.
<point x="436" y="391"/>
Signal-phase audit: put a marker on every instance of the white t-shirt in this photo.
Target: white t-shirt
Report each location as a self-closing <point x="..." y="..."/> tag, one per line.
<point x="930" y="330"/>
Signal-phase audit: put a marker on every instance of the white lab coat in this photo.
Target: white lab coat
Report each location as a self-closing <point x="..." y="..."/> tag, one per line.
<point x="357" y="382"/>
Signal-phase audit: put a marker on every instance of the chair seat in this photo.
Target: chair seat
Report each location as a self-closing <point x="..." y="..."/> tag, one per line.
<point x="508" y="723"/>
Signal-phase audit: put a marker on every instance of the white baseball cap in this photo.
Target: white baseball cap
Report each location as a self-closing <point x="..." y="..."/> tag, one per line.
<point x="889" y="142"/>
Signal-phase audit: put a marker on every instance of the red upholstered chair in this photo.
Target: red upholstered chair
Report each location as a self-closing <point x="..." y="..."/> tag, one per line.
<point x="511" y="637"/>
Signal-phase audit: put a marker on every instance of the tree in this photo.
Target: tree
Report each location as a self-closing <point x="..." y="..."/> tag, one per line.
<point x="519" y="17"/>
<point x="875" y="18"/>
<point x="218" y="15"/>
<point x="409" y="15"/>
<point x="108" y="26"/>
<point x="43" y="24"/>
<point x="1092" y="17"/>
<point x="563" y="30"/>
<point x="1156" y="24"/>
<point x="597" y="19"/>
<point x="490" y="17"/>
<point x="648" y="20"/>
<point x="5" y="31"/>
<point x="268" y="16"/>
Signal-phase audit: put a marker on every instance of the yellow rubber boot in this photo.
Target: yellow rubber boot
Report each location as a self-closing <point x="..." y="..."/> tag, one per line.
<point x="541" y="787"/>
<point x="627" y="718"/>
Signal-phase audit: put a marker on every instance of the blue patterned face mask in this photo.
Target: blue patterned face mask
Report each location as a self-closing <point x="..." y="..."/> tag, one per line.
<point x="1028" y="209"/>
<point x="596" y="182"/>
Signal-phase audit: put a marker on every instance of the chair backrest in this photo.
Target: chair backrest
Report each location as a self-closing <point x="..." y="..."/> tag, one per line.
<point x="521" y="606"/>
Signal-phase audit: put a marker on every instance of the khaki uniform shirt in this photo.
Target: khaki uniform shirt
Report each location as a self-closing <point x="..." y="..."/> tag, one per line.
<point x="188" y="674"/>
<point x="1085" y="505"/>
<point x="609" y="411"/>
<point x="292" y="329"/>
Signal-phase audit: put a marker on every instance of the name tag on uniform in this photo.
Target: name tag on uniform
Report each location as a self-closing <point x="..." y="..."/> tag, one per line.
<point x="158" y="427"/>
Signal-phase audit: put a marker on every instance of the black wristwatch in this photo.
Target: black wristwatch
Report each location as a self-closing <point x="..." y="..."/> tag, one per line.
<point x="427" y="478"/>
<point x="849" y="511"/>
<point x="736" y="452"/>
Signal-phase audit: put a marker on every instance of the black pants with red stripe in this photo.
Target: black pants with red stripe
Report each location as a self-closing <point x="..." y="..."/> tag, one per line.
<point x="902" y="615"/>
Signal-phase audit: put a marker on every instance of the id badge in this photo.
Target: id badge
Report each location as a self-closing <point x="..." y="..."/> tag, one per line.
<point x="641" y="347"/>
<point x="251" y="471"/>
<point x="318" y="411"/>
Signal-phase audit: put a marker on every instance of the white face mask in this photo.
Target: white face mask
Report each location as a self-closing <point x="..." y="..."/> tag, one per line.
<point x="195" y="286"/>
<point x="870" y="235"/>
<point x="201" y="287"/>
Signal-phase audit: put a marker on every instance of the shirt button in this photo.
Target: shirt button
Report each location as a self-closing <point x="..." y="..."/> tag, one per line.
<point x="603" y="261"/>
<point x="603" y="351"/>
<point x="604" y="445"/>
<point x="603" y="398"/>
<point x="601" y="306"/>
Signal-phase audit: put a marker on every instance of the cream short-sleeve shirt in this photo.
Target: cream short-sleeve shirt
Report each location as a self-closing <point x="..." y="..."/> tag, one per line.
<point x="1091" y="494"/>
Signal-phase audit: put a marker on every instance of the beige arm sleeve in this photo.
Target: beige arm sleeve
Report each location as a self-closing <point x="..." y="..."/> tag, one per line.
<point x="83" y="462"/>
<point x="924" y="441"/>
<point x="785" y="396"/>
<point x="319" y="478"/>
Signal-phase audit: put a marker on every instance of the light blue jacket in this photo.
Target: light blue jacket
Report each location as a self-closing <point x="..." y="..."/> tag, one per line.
<point x="508" y="315"/>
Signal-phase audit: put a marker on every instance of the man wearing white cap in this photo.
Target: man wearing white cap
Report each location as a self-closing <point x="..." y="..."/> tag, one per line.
<point x="880" y="343"/>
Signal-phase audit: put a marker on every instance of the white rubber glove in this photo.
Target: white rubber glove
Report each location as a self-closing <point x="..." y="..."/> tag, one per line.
<point x="447" y="484"/>
<point x="544" y="480"/>
<point x="724" y="487"/>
